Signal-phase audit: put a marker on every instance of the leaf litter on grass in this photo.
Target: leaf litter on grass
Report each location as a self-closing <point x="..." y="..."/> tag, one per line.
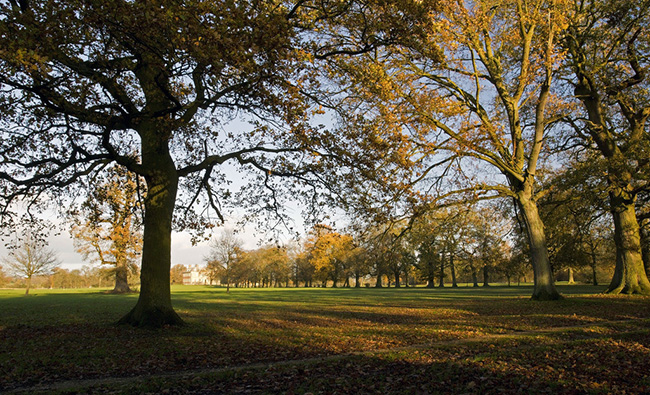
<point x="217" y="337"/>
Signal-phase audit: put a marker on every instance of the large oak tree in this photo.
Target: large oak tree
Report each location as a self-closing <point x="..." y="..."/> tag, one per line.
<point x="607" y="53"/>
<point x="467" y="108"/>
<point x="149" y="85"/>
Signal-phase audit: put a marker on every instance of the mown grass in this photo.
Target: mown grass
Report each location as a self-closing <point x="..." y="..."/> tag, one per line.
<point x="412" y="340"/>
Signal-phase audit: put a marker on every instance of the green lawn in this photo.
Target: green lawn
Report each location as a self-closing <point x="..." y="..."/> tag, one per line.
<point x="415" y="340"/>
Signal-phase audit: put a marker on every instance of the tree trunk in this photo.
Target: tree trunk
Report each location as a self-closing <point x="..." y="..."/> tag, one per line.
<point x="571" y="279"/>
<point x="486" y="276"/>
<point x="544" y="286"/>
<point x="430" y="275"/>
<point x="454" y="283"/>
<point x="28" y="284"/>
<point x="593" y="267"/>
<point x="645" y="248"/>
<point x="629" y="273"/>
<point x="378" y="284"/>
<point x="474" y="276"/>
<point x="154" y="306"/>
<point x="397" y="284"/>
<point x="441" y="282"/>
<point x="357" y="284"/>
<point x="121" y="278"/>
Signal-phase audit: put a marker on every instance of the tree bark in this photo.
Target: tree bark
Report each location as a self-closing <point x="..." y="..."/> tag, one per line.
<point x="486" y="276"/>
<point x="645" y="249"/>
<point x="571" y="279"/>
<point x="357" y="284"/>
<point x="594" y="278"/>
<point x="430" y="275"/>
<point x="629" y="274"/>
<point x="28" y="284"/>
<point x="544" y="286"/>
<point x="441" y="282"/>
<point x="454" y="283"/>
<point x="154" y="306"/>
<point x="121" y="279"/>
<point x="378" y="284"/>
<point x="474" y="276"/>
<point x="397" y="283"/>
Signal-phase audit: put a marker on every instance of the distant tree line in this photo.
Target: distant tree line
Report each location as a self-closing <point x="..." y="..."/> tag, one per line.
<point x="85" y="277"/>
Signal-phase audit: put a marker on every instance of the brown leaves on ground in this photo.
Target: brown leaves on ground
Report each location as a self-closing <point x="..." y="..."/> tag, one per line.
<point x="405" y="346"/>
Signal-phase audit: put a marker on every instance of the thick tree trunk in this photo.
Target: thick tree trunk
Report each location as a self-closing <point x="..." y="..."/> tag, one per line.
<point x="645" y="249"/>
<point x="397" y="284"/>
<point x="378" y="284"/>
<point x="357" y="283"/>
<point x="629" y="274"/>
<point x="430" y="275"/>
<point x="474" y="276"/>
<point x="441" y="274"/>
<point x="571" y="279"/>
<point x="154" y="306"/>
<point x="544" y="286"/>
<point x="121" y="279"/>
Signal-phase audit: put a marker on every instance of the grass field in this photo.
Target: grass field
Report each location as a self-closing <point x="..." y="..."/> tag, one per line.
<point x="465" y="340"/>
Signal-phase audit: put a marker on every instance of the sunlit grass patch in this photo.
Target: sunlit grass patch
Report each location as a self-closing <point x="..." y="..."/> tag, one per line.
<point x="55" y="337"/>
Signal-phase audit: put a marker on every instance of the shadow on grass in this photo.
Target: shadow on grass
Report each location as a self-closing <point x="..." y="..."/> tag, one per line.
<point x="63" y="336"/>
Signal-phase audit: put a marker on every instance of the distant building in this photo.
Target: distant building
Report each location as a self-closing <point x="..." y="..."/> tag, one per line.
<point x="197" y="275"/>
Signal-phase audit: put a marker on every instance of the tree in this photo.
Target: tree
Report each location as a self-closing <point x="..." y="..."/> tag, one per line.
<point x="329" y="253"/>
<point x="225" y="251"/>
<point x="607" y="50"/>
<point x="106" y="228"/>
<point x="29" y="257"/>
<point x="149" y="85"/>
<point x="176" y="275"/>
<point x="3" y="277"/>
<point x="476" y="92"/>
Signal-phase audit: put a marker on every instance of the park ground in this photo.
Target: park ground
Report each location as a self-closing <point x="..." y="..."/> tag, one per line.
<point x="296" y="341"/>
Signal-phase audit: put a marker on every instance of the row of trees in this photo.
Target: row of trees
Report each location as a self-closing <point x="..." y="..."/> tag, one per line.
<point x="477" y="245"/>
<point x="86" y="277"/>
<point x="438" y="103"/>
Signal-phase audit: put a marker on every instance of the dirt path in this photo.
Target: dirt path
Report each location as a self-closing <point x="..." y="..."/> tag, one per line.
<point x="110" y="381"/>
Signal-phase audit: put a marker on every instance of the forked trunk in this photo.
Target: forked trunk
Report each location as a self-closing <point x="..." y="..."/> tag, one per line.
<point x="629" y="274"/>
<point x="544" y="286"/>
<point x="154" y="306"/>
